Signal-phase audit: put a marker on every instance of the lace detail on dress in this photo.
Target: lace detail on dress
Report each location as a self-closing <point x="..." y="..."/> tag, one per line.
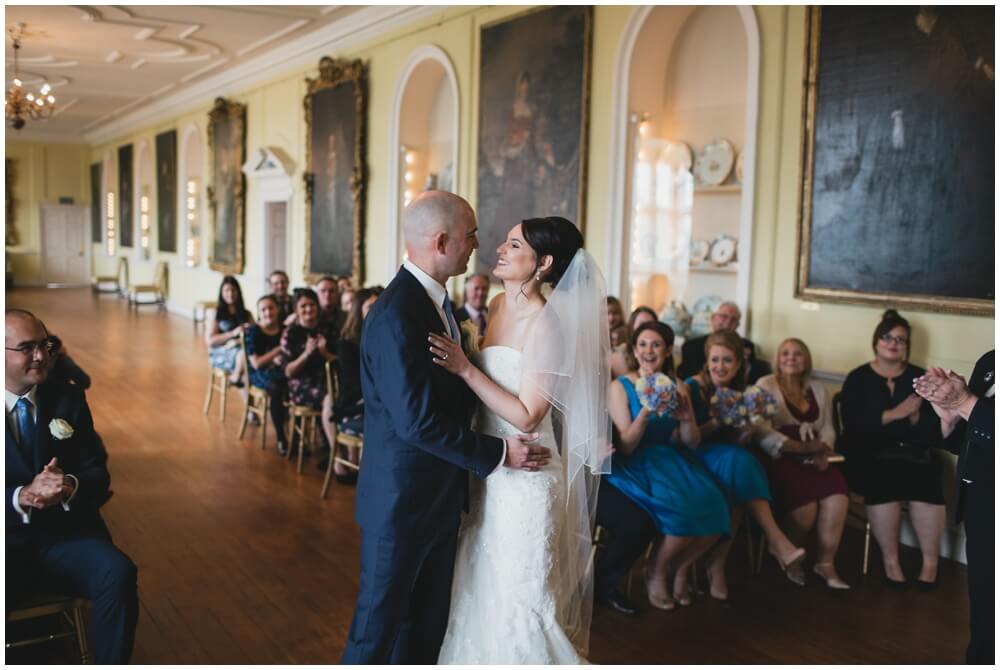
<point x="505" y="606"/>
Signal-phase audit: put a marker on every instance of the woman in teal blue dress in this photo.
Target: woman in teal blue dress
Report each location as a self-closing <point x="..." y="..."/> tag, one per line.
<point x="655" y="467"/>
<point x="724" y="451"/>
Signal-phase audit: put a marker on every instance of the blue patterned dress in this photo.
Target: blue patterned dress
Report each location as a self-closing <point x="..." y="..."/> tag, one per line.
<point x="667" y="480"/>
<point x="742" y="477"/>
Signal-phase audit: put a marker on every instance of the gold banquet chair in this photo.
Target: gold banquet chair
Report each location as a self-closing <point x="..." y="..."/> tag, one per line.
<point x="158" y="289"/>
<point x="305" y="420"/>
<point x="70" y="608"/>
<point x="856" y="503"/>
<point x="344" y="440"/>
<point x="257" y="400"/>
<point x="218" y="380"/>
<point x="116" y="283"/>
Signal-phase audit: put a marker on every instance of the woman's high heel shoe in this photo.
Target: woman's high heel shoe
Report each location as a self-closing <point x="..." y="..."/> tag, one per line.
<point x="656" y="591"/>
<point x="791" y="560"/>
<point x="834" y="582"/>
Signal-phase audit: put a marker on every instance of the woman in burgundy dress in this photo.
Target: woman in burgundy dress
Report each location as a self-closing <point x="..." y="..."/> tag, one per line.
<point x="804" y="486"/>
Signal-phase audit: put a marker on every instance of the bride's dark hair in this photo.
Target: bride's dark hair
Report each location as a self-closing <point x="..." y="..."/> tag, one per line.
<point x="552" y="236"/>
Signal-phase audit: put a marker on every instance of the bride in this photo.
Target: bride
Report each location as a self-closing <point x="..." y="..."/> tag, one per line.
<point x="522" y="588"/>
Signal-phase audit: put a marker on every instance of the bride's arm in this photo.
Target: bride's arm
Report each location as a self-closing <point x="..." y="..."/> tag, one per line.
<point x="524" y="412"/>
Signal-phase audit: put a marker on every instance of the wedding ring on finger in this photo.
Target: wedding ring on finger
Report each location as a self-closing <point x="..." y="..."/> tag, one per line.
<point x="444" y="357"/>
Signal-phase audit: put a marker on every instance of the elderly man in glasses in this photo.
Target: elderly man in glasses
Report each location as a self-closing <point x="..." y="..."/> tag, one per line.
<point x="57" y="479"/>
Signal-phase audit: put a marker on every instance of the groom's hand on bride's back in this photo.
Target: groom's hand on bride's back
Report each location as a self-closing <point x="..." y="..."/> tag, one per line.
<point x="523" y="454"/>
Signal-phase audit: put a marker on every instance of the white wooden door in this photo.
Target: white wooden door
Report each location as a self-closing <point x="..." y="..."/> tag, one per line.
<point x="275" y="213"/>
<point x="65" y="249"/>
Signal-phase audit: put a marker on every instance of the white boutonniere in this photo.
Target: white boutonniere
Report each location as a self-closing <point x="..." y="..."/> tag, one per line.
<point x="470" y="337"/>
<point x="60" y="429"/>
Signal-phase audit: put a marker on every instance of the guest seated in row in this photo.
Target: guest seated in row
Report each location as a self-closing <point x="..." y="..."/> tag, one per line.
<point x="756" y="367"/>
<point x="889" y="432"/>
<point x="223" y="336"/>
<point x="656" y="468"/>
<point x="279" y="289"/>
<point x="347" y="412"/>
<point x="724" y="452"/>
<point x="616" y="314"/>
<point x="725" y="317"/>
<point x="346" y="303"/>
<point x="267" y="370"/>
<point x="329" y="303"/>
<point x="306" y="346"/>
<point x="620" y="356"/>
<point x="344" y="284"/>
<point x="807" y="489"/>
<point x="474" y="309"/>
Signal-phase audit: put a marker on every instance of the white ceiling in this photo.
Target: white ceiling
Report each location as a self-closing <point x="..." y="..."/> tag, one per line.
<point x="109" y="65"/>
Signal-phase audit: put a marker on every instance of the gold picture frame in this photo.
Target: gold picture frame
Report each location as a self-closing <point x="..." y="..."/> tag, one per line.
<point x="806" y="287"/>
<point x="336" y="111"/>
<point x="227" y="191"/>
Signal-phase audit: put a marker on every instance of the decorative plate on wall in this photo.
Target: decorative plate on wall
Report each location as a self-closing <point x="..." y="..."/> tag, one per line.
<point x="699" y="251"/>
<point x="723" y="250"/>
<point x="678" y="154"/>
<point x="715" y="162"/>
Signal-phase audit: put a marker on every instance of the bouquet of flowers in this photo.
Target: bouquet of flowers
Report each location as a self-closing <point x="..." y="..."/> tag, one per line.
<point x="657" y="393"/>
<point x="760" y="405"/>
<point x="728" y="408"/>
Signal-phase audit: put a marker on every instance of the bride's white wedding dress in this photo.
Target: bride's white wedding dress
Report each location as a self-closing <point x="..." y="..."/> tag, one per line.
<point x="506" y="605"/>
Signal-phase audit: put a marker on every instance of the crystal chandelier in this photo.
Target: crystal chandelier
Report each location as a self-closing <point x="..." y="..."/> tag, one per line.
<point x="20" y="104"/>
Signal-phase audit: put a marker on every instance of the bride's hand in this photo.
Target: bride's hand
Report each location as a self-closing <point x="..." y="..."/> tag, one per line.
<point x="449" y="355"/>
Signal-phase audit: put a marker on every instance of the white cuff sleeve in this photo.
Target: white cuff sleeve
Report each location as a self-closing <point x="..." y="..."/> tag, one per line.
<point x="25" y="516"/>
<point x="76" y="487"/>
<point x="503" y="457"/>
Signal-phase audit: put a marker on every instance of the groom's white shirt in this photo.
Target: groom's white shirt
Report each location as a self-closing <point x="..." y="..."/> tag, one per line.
<point x="437" y="292"/>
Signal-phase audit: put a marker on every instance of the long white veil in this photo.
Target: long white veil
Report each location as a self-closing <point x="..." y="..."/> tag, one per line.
<point x="567" y="359"/>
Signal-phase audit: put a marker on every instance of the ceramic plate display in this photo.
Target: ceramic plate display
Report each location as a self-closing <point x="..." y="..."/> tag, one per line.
<point x="699" y="251"/>
<point x="739" y="168"/>
<point x="723" y="250"/>
<point x="678" y="155"/>
<point x="715" y="162"/>
<point x="677" y="317"/>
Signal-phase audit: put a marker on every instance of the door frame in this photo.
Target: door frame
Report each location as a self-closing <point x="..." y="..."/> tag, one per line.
<point x="267" y="238"/>
<point x="43" y="265"/>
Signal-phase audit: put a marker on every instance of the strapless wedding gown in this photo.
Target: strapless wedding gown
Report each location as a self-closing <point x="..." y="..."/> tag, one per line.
<point x="505" y="608"/>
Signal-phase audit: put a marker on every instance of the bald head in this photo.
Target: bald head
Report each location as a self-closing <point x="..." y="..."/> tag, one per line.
<point x="433" y="212"/>
<point x="26" y="356"/>
<point x="440" y="231"/>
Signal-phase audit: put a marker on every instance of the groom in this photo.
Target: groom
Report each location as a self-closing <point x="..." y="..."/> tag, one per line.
<point x="418" y="445"/>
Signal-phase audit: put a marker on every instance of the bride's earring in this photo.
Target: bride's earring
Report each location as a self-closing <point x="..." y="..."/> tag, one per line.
<point x="538" y="276"/>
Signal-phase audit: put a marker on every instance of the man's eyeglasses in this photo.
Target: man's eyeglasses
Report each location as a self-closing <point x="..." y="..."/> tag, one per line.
<point x="45" y="346"/>
<point x="898" y="339"/>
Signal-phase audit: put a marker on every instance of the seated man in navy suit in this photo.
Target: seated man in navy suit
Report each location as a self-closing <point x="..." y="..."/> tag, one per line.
<point x="57" y="478"/>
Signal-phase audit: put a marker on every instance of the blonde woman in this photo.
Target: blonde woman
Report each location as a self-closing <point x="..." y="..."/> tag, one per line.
<point x="809" y="492"/>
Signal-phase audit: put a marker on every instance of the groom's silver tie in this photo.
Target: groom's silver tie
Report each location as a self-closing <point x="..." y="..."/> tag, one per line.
<point x="450" y="313"/>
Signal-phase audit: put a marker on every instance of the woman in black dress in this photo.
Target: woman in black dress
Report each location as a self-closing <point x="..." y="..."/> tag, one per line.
<point x="347" y="412"/>
<point x="266" y="365"/>
<point x="887" y="438"/>
<point x="222" y="336"/>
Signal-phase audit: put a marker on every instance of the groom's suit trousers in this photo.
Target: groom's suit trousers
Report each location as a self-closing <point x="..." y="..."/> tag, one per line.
<point x="630" y="530"/>
<point x="404" y="598"/>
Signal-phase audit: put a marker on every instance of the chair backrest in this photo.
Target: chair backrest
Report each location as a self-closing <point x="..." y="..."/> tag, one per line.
<point x="331" y="380"/>
<point x="122" y="272"/>
<point x="243" y="352"/>
<point x="160" y="277"/>
<point x="838" y="426"/>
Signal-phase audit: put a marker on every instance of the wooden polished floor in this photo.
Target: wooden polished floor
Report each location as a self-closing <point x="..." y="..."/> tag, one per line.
<point x="241" y="562"/>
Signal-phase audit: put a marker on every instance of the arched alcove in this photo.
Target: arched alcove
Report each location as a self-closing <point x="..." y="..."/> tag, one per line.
<point x="191" y="161"/>
<point x="424" y="136"/>
<point x="143" y="176"/>
<point x="687" y="74"/>
<point x="109" y="210"/>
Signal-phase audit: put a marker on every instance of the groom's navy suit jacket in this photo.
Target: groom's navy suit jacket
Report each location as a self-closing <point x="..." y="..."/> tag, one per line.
<point x="81" y="455"/>
<point x="418" y="443"/>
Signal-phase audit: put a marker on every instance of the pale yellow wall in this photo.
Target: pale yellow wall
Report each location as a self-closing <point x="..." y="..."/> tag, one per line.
<point x="838" y="334"/>
<point x="43" y="173"/>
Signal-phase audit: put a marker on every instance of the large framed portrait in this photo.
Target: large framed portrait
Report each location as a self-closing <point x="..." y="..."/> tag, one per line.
<point x="125" y="214"/>
<point x="336" y="108"/>
<point x="534" y="94"/>
<point x="166" y="191"/>
<point x="227" y="193"/>
<point x="897" y="187"/>
<point x="96" y="224"/>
